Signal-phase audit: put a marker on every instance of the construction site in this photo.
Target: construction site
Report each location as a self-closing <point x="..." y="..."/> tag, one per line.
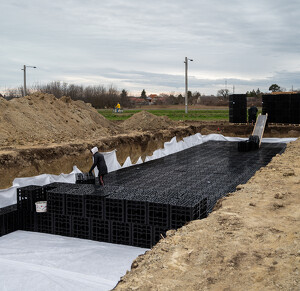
<point x="186" y="205"/>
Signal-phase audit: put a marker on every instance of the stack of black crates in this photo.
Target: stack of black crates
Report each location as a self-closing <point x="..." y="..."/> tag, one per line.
<point x="282" y="108"/>
<point x="238" y="108"/>
<point x="29" y="219"/>
<point x="115" y="214"/>
<point x="8" y="219"/>
<point x="85" y="178"/>
<point x="139" y="203"/>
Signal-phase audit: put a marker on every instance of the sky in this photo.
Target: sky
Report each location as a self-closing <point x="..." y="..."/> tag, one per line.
<point x="142" y="44"/>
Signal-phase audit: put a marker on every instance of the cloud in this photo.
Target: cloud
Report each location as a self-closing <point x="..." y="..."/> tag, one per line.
<point x="143" y="43"/>
<point x="158" y="83"/>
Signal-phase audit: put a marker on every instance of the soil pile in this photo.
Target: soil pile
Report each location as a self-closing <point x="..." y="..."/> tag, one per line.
<point x="42" y="118"/>
<point x="250" y="242"/>
<point x="145" y="121"/>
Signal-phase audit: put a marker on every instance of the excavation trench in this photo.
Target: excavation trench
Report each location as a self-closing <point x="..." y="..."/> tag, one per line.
<point x="32" y="160"/>
<point x="60" y="158"/>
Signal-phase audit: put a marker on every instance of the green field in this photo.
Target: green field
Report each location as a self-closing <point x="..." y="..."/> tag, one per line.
<point x="201" y="114"/>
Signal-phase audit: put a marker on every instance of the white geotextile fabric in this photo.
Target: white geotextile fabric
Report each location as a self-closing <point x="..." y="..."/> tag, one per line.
<point x="38" y="261"/>
<point x="9" y="197"/>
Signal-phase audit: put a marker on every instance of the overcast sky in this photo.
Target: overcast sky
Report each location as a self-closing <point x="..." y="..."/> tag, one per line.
<point x="141" y="44"/>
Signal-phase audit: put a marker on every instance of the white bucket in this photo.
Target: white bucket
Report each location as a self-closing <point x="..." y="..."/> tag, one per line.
<point x="41" y="206"/>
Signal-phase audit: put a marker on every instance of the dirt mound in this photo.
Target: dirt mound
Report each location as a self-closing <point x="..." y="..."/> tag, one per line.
<point x="144" y="121"/>
<point x="42" y="118"/>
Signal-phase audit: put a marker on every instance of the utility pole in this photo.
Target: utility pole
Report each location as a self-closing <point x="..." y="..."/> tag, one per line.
<point x="186" y="83"/>
<point x="24" y="69"/>
<point x="24" y="88"/>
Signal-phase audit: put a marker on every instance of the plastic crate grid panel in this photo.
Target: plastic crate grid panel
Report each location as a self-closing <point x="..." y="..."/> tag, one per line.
<point x="7" y="209"/>
<point x="81" y="227"/>
<point x="75" y="205"/>
<point x="121" y="233"/>
<point x="142" y="235"/>
<point x="180" y="215"/>
<point x="85" y="181"/>
<point x="84" y="178"/>
<point x="196" y="211"/>
<point x="159" y="214"/>
<point x="115" y="209"/>
<point x="2" y="229"/>
<point x="26" y="220"/>
<point x="62" y="225"/>
<point x="100" y="230"/>
<point x="56" y="185"/>
<point x="203" y="208"/>
<point x="27" y="196"/>
<point x="136" y="211"/>
<point x="43" y="222"/>
<point x="8" y="222"/>
<point x="282" y="108"/>
<point x="56" y="202"/>
<point x="94" y="206"/>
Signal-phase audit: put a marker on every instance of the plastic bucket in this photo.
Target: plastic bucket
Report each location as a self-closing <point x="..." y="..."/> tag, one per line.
<point x="41" y="206"/>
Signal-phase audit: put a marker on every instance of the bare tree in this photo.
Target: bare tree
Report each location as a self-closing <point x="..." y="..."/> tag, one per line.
<point x="223" y="92"/>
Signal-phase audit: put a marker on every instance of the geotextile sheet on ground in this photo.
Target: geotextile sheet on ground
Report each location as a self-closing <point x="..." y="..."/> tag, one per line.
<point x="38" y="261"/>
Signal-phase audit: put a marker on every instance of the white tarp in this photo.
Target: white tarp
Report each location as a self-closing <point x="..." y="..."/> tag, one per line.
<point x="38" y="261"/>
<point x="8" y="196"/>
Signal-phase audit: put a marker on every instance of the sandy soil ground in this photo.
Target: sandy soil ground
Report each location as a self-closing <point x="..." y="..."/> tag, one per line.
<point x="251" y="240"/>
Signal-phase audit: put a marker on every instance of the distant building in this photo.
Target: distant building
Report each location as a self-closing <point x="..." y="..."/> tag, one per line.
<point x="159" y="100"/>
<point x="137" y="101"/>
<point x="156" y="99"/>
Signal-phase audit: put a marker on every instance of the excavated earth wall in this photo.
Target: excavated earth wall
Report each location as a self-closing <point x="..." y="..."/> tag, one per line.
<point x="60" y="158"/>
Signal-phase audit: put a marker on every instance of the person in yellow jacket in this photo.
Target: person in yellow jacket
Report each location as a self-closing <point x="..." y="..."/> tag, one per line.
<point x="118" y="106"/>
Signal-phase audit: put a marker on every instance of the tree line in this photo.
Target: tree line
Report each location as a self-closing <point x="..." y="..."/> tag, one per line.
<point x="99" y="96"/>
<point x="107" y="97"/>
